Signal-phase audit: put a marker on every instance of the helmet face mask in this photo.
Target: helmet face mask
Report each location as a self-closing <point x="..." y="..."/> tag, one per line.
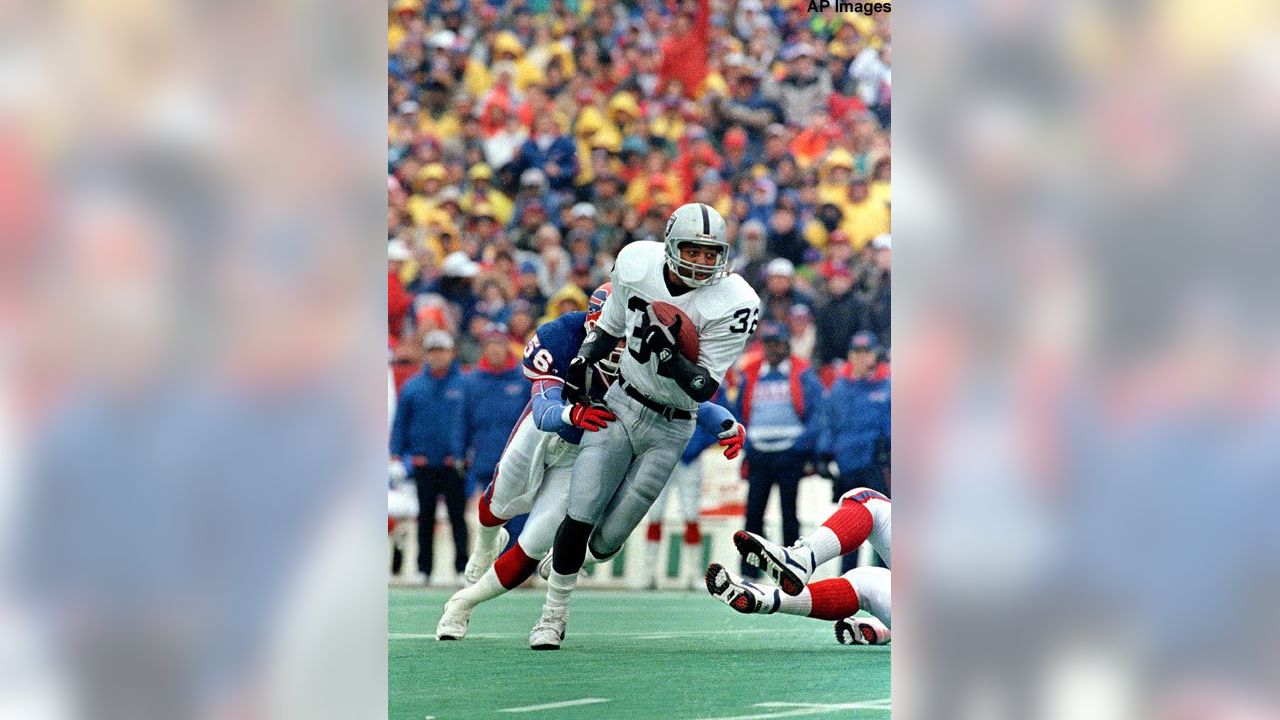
<point x="698" y="224"/>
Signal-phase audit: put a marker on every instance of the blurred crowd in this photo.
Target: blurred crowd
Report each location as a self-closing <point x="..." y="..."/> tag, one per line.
<point x="530" y="141"/>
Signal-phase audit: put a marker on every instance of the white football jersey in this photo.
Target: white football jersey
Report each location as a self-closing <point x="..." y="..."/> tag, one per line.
<point x="725" y="313"/>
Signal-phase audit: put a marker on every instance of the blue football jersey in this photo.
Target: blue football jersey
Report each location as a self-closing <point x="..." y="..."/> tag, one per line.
<point x="548" y="353"/>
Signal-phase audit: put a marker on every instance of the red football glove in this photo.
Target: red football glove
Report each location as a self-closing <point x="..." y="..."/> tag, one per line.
<point x="589" y="417"/>
<point x="732" y="440"/>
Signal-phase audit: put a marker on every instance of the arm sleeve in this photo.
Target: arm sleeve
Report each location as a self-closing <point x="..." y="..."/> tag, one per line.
<point x="548" y="407"/>
<point x="598" y="346"/>
<point x="733" y="400"/>
<point x="812" y="390"/>
<point x="711" y="418"/>
<point x="404" y="414"/>
<point x="702" y="21"/>
<point x="468" y="416"/>
<point x="825" y="423"/>
<point x="887" y="428"/>
<point x="460" y="433"/>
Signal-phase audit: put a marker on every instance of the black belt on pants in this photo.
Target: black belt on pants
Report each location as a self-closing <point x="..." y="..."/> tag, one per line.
<point x="665" y="411"/>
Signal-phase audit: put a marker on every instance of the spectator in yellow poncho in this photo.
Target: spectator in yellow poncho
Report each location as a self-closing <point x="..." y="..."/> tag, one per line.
<point x="589" y="122"/>
<point x="509" y="52"/>
<point x="483" y="192"/>
<point x="834" y="174"/>
<point x="565" y="300"/>
<point x="864" y="217"/>
<point x="426" y="187"/>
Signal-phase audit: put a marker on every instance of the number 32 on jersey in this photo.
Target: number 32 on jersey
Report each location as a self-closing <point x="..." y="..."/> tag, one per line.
<point x="745" y="321"/>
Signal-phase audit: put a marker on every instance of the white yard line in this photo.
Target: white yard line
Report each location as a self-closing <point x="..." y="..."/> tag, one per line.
<point x="555" y="705"/>
<point x="638" y="635"/>
<point x="798" y="709"/>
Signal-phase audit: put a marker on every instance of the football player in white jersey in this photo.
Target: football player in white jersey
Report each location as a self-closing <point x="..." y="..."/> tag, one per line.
<point x="657" y="391"/>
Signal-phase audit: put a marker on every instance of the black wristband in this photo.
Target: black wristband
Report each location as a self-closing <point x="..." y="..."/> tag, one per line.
<point x="693" y="379"/>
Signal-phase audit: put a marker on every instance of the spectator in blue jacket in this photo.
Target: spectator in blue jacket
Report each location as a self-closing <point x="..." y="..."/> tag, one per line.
<point x="427" y="437"/>
<point x="855" y="425"/>
<point x="497" y="393"/>
<point x="550" y="151"/>
<point x="780" y="403"/>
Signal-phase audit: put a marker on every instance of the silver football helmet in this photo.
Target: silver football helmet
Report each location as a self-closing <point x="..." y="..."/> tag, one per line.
<point x="701" y="224"/>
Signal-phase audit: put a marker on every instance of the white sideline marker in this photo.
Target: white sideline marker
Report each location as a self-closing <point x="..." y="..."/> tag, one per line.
<point x="792" y="709"/>
<point x="555" y="705"/>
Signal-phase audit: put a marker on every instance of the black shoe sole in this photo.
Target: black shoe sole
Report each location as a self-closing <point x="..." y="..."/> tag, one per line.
<point x="775" y="567"/>
<point x="713" y="571"/>
<point x="745" y="603"/>
<point x="844" y="629"/>
<point x="544" y="647"/>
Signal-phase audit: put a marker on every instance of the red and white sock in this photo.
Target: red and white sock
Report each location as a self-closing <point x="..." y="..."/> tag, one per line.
<point x="825" y="599"/>
<point x="489" y="522"/>
<point x="842" y="533"/>
<point x="511" y="568"/>
<point x="514" y="566"/>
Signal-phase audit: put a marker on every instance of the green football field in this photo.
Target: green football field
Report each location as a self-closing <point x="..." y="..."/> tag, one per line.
<point x="666" y="655"/>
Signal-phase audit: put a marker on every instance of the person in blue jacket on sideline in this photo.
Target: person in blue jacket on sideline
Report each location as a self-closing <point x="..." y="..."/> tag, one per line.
<point x="427" y="439"/>
<point x="855" y="424"/>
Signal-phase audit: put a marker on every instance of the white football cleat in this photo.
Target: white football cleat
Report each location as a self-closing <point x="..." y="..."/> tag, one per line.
<point x="549" y="630"/>
<point x="742" y="595"/>
<point x="789" y="567"/>
<point x="482" y="557"/>
<point x="453" y="623"/>
<point x="862" y="631"/>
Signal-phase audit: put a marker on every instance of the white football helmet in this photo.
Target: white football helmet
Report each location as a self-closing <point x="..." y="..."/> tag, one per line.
<point x="701" y="224"/>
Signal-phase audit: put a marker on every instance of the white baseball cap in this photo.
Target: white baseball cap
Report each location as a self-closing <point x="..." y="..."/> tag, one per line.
<point x="397" y="250"/>
<point x="882" y="242"/>
<point x="437" y="340"/>
<point x="583" y="209"/>
<point x="780" y="266"/>
<point x="442" y="39"/>
<point x="457" y="264"/>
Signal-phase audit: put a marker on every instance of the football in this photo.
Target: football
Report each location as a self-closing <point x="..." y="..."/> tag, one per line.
<point x="687" y="339"/>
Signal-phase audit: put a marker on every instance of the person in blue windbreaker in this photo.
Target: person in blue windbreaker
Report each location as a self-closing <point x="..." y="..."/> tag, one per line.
<point x="497" y="393"/>
<point x="779" y="399"/>
<point x="427" y="437"/>
<point x="855" y="426"/>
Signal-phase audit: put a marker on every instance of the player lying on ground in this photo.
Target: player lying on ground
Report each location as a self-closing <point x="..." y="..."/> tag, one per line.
<point x="862" y="515"/>
<point x="533" y="474"/>
<point x="685" y="319"/>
